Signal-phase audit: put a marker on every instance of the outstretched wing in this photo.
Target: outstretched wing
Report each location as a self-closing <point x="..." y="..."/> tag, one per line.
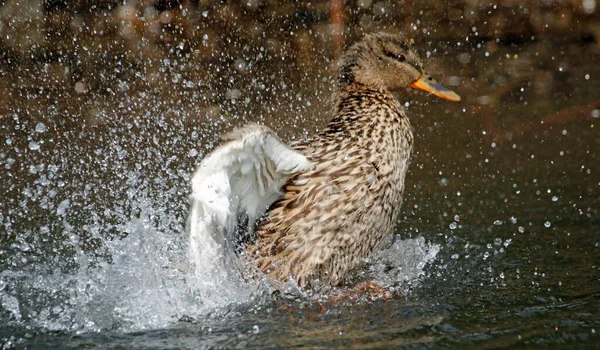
<point x="239" y="179"/>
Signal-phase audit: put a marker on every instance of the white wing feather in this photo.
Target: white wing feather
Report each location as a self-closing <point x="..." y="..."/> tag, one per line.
<point x="243" y="176"/>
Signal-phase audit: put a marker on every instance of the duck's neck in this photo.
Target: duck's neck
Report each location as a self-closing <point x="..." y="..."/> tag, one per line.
<point x="361" y="109"/>
<point x="370" y="123"/>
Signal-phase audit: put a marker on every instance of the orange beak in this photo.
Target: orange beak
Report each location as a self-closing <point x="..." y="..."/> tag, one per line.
<point x="427" y="83"/>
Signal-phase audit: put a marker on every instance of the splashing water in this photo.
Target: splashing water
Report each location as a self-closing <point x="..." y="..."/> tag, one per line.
<point x="95" y="228"/>
<point x="145" y="283"/>
<point x="143" y="286"/>
<point x="403" y="262"/>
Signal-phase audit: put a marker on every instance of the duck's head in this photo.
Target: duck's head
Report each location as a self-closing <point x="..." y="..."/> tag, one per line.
<point x="386" y="61"/>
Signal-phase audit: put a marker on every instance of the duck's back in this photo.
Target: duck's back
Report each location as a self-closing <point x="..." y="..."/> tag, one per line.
<point x="335" y="215"/>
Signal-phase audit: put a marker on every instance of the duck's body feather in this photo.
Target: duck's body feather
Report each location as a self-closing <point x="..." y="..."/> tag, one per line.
<point x="331" y="217"/>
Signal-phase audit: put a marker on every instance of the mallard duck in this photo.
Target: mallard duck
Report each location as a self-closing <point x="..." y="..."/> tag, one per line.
<point x="316" y="208"/>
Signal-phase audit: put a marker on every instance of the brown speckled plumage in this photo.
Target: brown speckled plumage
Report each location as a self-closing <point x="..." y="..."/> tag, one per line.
<point x="337" y="214"/>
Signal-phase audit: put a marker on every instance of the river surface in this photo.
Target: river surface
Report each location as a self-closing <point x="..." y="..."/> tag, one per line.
<point x="498" y="244"/>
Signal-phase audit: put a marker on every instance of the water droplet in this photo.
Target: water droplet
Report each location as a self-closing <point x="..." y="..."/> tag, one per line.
<point x="233" y="94"/>
<point x="34" y="146"/>
<point x="484" y="100"/>
<point x="40" y="127"/>
<point x="62" y="207"/>
<point x="81" y="87"/>
<point x="365" y="4"/>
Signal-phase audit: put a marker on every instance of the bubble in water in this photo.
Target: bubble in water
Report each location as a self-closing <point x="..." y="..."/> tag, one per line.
<point x="554" y="198"/>
<point x="453" y="225"/>
<point x="547" y="224"/>
<point x="454" y="257"/>
<point x="498" y="222"/>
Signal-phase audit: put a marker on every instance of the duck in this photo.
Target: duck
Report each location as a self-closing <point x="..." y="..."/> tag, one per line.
<point x="313" y="210"/>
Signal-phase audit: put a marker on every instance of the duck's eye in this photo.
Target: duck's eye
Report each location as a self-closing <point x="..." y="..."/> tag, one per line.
<point x="400" y="57"/>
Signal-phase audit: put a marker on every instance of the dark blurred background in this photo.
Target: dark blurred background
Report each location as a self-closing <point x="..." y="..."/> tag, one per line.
<point x="95" y="48"/>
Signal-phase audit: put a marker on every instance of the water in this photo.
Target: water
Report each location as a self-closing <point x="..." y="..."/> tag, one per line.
<point x="498" y="244"/>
